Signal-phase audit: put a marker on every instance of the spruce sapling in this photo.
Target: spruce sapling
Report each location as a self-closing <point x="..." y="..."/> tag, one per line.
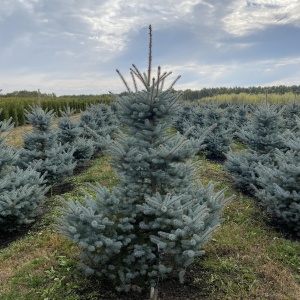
<point x="279" y="185"/>
<point x="21" y="191"/>
<point x="99" y="123"/>
<point x="262" y="136"/>
<point x="70" y="133"/>
<point x="42" y="151"/>
<point x="159" y="217"/>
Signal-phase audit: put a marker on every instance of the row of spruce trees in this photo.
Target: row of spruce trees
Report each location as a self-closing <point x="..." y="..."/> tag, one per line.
<point x="268" y="165"/>
<point x="48" y="156"/>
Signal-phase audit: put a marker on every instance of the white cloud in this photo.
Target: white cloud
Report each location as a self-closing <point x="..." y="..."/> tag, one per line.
<point x="62" y="83"/>
<point x="251" y="15"/>
<point x="229" y="74"/>
<point x="108" y="24"/>
<point x="290" y="80"/>
<point x="67" y="46"/>
<point x="113" y="21"/>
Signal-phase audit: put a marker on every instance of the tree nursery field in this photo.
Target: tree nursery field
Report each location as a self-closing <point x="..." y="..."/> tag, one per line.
<point x="148" y="196"/>
<point x="253" y="254"/>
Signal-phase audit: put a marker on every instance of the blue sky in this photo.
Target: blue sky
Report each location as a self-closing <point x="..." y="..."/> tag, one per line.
<point x="75" y="46"/>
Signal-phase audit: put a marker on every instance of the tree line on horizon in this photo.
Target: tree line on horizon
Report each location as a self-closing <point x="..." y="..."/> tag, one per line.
<point x="253" y="90"/>
<point x="188" y="94"/>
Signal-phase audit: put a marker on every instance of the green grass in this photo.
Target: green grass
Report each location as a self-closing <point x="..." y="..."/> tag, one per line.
<point x="246" y="259"/>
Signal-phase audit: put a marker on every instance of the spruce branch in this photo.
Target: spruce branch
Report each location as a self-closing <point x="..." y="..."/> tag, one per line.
<point x="162" y="84"/>
<point x="171" y="86"/>
<point x="165" y="75"/>
<point x="152" y="91"/>
<point x="138" y="74"/>
<point x="134" y="82"/>
<point x="175" y="100"/>
<point x="162" y="79"/>
<point x="146" y="80"/>
<point x="180" y="144"/>
<point x="150" y="54"/>
<point x="158" y="80"/>
<point x="39" y="98"/>
<point x="124" y="81"/>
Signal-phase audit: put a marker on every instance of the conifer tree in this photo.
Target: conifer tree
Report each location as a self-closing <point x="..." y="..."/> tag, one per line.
<point x="42" y="151"/>
<point x="159" y="217"/>
<point x="263" y="133"/>
<point x="70" y="133"/>
<point x="261" y="136"/>
<point x="230" y="114"/>
<point x="99" y="123"/>
<point x="279" y="186"/>
<point x="21" y="191"/>
<point x="241" y="116"/>
<point x="218" y="138"/>
<point x="187" y="116"/>
<point x="290" y="112"/>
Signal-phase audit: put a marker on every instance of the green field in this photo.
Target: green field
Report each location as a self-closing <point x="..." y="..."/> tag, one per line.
<point x="14" y="106"/>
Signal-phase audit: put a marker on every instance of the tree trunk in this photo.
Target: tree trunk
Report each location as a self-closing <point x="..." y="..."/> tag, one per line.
<point x="153" y="293"/>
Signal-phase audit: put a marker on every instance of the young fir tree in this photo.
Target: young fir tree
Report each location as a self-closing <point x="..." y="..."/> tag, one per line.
<point x="159" y="217"/>
<point x="70" y="133"/>
<point x="241" y="116"/>
<point x="99" y="123"/>
<point x="21" y="191"/>
<point x="263" y="133"/>
<point x="189" y="115"/>
<point x="230" y="114"/>
<point x="218" y="139"/>
<point x="290" y="112"/>
<point x="42" y="151"/>
<point x="279" y="190"/>
<point x="261" y="136"/>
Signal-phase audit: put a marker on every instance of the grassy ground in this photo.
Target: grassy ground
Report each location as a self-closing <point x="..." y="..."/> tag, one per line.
<point x="246" y="259"/>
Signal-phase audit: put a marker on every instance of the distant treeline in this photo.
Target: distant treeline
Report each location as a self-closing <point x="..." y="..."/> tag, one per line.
<point x="13" y="104"/>
<point x="253" y="90"/>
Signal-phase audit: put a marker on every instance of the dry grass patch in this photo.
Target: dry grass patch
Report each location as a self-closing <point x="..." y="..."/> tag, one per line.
<point x="30" y="257"/>
<point x="16" y="137"/>
<point x="277" y="283"/>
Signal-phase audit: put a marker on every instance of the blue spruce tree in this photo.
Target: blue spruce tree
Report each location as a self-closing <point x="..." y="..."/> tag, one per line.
<point x="219" y="139"/>
<point x="241" y="115"/>
<point x="189" y="115"/>
<point x="42" y="151"/>
<point x="211" y="121"/>
<point x="290" y="112"/>
<point x="99" y="123"/>
<point x="70" y="133"/>
<point x="159" y="217"/>
<point x="262" y="135"/>
<point x="21" y="191"/>
<point x="279" y="185"/>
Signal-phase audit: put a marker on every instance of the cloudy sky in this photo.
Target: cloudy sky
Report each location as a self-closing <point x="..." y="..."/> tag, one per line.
<point x="75" y="46"/>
